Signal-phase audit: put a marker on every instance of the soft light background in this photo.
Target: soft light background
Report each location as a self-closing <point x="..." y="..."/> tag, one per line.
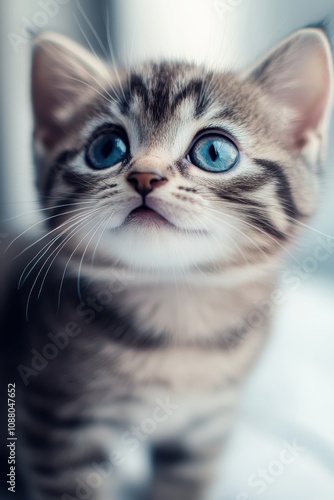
<point x="290" y="397"/>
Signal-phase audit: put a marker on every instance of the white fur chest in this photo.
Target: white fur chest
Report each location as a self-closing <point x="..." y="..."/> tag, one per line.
<point x="189" y="313"/>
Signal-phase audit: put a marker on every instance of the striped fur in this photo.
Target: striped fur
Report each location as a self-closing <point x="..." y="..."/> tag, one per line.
<point x="165" y="319"/>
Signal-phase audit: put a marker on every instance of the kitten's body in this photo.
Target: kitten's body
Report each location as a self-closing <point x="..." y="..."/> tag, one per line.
<point x="105" y="383"/>
<point x="171" y="311"/>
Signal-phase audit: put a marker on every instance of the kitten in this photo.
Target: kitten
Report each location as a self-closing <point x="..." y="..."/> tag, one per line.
<point x="171" y="192"/>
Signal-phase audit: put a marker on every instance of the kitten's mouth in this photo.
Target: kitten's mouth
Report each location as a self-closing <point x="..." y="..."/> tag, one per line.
<point x="142" y="210"/>
<point x="147" y="215"/>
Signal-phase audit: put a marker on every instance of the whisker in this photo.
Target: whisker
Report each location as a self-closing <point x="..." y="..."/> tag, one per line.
<point x="75" y="231"/>
<point x="84" y="253"/>
<point x="310" y="227"/>
<point x="48" y="245"/>
<point x="89" y="86"/>
<point x="71" y="219"/>
<point x="59" y="248"/>
<point x="112" y="53"/>
<point x="97" y="57"/>
<point x="68" y="262"/>
<point x="97" y="38"/>
<point x="231" y="239"/>
<point x="221" y="221"/>
<point x="47" y="208"/>
<point x="100" y="237"/>
<point x="257" y="229"/>
<point x="40" y="222"/>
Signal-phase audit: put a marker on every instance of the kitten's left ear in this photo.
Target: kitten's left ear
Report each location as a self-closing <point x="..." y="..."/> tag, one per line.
<point x="298" y="75"/>
<point x="64" y="74"/>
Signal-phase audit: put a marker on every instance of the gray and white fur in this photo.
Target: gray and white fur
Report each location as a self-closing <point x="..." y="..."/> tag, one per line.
<point x="155" y="318"/>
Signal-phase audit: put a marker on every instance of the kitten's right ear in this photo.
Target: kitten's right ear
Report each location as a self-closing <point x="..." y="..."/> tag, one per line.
<point x="63" y="73"/>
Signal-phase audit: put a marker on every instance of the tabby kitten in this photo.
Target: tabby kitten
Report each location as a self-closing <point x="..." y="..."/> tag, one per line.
<point x="171" y="192"/>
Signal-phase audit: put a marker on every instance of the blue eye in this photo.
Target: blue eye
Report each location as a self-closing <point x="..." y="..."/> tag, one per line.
<point x="107" y="150"/>
<point x="214" y="153"/>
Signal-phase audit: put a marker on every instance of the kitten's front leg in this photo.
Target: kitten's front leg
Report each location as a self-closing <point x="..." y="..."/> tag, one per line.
<point x="74" y="458"/>
<point x="186" y="465"/>
<point x="184" y="474"/>
<point x="65" y="463"/>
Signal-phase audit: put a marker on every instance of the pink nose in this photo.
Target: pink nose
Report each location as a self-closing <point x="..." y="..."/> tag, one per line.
<point x="145" y="182"/>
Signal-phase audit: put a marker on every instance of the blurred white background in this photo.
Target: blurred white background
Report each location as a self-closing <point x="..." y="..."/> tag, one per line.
<point x="290" y="397"/>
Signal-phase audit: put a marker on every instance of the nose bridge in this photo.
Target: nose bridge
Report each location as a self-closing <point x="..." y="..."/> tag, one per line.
<point x="150" y="163"/>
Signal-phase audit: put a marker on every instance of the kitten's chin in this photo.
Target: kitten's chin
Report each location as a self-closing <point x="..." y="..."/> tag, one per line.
<point x="162" y="246"/>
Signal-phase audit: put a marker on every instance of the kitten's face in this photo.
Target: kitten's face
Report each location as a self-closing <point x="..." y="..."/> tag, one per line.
<point x="175" y="167"/>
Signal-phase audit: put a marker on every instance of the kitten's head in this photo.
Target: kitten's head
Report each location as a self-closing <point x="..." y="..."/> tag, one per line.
<point x="174" y="166"/>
